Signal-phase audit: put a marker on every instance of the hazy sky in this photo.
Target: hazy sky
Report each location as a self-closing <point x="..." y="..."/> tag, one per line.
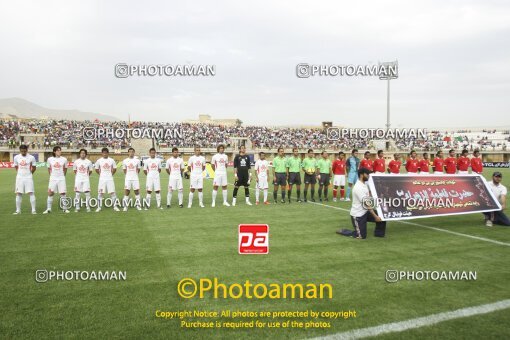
<point x="454" y="59"/>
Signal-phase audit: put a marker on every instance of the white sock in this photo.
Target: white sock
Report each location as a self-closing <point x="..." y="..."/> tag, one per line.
<point x="148" y="199"/>
<point x="214" y="193"/>
<point x="100" y="201"/>
<point x="169" y="198"/>
<point x="138" y="201"/>
<point x="158" y="200"/>
<point x="32" y="201"/>
<point x="225" y="195"/>
<point x="18" y="202"/>
<point x="180" y="195"/>
<point x="114" y="199"/>
<point x="190" y="198"/>
<point x="125" y="201"/>
<point x="265" y="195"/>
<point x="77" y="204"/>
<point x="247" y="199"/>
<point x="200" y="197"/>
<point x="49" y="202"/>
<point x="63" y="197"/>
<point x="87" y="200"/>
<point x="257" y="194"/>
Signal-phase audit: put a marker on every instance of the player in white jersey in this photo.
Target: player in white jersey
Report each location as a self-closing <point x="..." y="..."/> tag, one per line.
<point x="131" y="168"/>
<point x="152" y="167"/>
<point x="25" y="167"/>
<point x="57" y="168"/>
<point x="82" y="169"/>
<point x="196" y="166"/>
<point x="106" y="168"/>
<point x="219" y="165"/>
<point x="262" y="175"/>
<point x="174" y="167"/>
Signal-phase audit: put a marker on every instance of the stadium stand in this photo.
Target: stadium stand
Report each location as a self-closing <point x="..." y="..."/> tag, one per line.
<point x="44" y="134"/>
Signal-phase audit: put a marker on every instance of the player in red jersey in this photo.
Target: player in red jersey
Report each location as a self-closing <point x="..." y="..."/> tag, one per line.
<point x="438" y="163"/>
<point x="412" y="163"/>
<point x="394" y="165"/>
<point x="338" y="168"/>
<point x="379" y="163"/>
<point x="476" y="162"/>
<point x="367" y="162"/>
<point x="463" y="162"/>
<point x="451" y="163"/>
<point x="424" y="164"/>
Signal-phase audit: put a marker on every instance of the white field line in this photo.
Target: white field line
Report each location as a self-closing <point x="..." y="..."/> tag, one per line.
<point x="419" y="322"/>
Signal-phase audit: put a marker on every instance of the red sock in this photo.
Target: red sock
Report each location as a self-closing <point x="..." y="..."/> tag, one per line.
<point x="334" y="193"/>
<point x="342" y="193"/>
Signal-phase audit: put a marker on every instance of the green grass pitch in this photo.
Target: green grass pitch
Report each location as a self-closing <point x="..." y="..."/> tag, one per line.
<point x="157" y="248"/>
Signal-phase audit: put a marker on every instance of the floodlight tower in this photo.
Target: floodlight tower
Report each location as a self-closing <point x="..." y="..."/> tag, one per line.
<point x="391" y="72"/>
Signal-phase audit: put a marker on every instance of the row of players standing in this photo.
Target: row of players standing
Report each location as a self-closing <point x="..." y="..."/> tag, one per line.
<point x="106" y="167"/>
<point x="287" y="170"/>
<point x="440" y="165"/>
<point x="286" y="174"/>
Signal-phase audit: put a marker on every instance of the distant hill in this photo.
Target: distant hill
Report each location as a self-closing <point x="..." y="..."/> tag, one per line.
<point x="22" y="108"/>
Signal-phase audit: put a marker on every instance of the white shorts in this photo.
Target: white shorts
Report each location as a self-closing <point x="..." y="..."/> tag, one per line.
<point x="82" y="185"/>
<point x="175" y="184"/>
<point x="106" y="186"/>
<point x="24" y="185"/>
<point x="424" y="173"/>
<point x="57" y="185"/>
<point x="262" y="183"/>
<point x="132" y="184"/>
<point x="220" y="180"/>
<point x="438" y="173"/>
<point x="463" y="172"/>
<point x="153" y="184"/>
<point x="196" y="181"/>
<point x="339" y="180"/>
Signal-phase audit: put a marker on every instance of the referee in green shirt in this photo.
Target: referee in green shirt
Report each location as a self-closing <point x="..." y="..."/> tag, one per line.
<point x="324" y="165"/>
<point x="279" y="174"/>
<point x="294" y="173"/>
<point x="309" y="167"/>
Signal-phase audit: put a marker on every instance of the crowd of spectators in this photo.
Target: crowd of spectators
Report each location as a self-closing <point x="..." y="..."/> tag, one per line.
<point x="44" y="134"/>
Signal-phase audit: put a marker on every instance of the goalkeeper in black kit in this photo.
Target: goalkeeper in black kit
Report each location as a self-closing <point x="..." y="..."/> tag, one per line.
<point x="242" y="175"/>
